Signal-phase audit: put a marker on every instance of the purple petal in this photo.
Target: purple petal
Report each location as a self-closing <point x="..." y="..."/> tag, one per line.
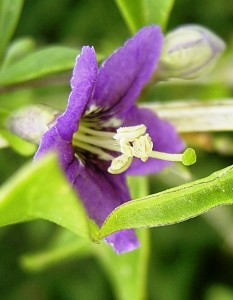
<point x="101" y="193"/>
<point x="123" y="75"/>
<point x="51" y="141"/>
<point x="123" y="241"/>
<point x="82" y="84"/>
<point x="164" y="137"/>
<point x="59" y="137"/>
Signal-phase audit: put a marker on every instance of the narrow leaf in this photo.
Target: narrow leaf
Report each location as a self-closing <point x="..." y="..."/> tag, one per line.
<point x="132" y="12"/>
<point x="173" y="205"/>
<point x="40" y="191"/>
<point x="3" y="143"/>
<point x="157" y="11"/>
<point x="9" y="14"/>
<point x="3" y="117"/>
<point x="19" y="145"/>
<point x="17" y="50"/>
<point x="40" y="63"/>
<point x="63" y="247"/>
<point x="140" y="13"/>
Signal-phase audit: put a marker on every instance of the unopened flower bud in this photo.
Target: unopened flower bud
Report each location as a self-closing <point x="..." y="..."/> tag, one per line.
<point x="31" y="122"/>
<point x="188" y="52"/>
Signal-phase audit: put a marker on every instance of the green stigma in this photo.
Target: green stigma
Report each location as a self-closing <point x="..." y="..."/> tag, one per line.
<point x="189" y="157"/>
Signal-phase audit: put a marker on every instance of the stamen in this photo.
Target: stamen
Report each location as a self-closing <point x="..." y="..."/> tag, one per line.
<point x="142" y="147"/>
<point x="130" y="133"/>
<point x="108" y="144"/>
<point x="130" y="141"/>
<point x="120" y="164"/>
<point x="126" y="148"/>
<point x="95" y="132"/>
<point x="92" y="149"/>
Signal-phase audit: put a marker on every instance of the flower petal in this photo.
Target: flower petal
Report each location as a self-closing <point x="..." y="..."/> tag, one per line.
<point x="101" y="193"/>
<point x="51" y="141"/>
<point x="123" y="75"/>
<point x="82" y="84"/>
<point x="123" y="241"/>
<point x="163" y="135"/>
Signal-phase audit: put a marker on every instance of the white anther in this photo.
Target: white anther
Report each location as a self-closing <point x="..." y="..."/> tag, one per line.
<point x="142" y="147"/>
<point x="130" y="133"/>
<point x="120" y="164"/>
<point x="126" y="148"/>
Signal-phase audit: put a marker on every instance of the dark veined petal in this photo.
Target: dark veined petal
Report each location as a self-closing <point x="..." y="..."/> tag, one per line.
<point x="163" y="135"/>
<point x="101" y="193"/>
<point x="82" y="84"/>
<point x="123" y="75"/>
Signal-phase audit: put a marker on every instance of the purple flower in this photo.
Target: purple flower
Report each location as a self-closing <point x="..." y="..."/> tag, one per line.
<point x="103" y="136"/>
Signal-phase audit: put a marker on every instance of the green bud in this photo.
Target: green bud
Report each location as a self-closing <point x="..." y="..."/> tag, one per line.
<point x="31" y="122"/>
<point x="188" y="52"/>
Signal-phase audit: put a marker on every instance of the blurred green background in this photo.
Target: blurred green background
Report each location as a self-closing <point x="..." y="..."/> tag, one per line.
<point x="188" y="261"/>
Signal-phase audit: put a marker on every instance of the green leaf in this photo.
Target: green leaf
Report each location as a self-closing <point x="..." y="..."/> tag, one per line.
<point x="173" y="205"/>
<point x="19" y="145"/>
<point x="41" y="191"/>
<point x="126" y="272"/>
<point x="63" y="247"/>
<point x="3" y="143"/>
<point x="9" y="14"/>
<point x="132" y="12"/>
<point x="157" y="11"/>
<point x="3" y="117"/>
<point x="40" y="63"/>
<point x="17" y="50"/>
<point x="140" y="13"/>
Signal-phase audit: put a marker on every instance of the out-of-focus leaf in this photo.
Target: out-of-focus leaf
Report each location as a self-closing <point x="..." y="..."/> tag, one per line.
<point x="3" y="143"/>
<point x="140" y="13"/>
<point x="40" y="191"/>
<point x="19" y="145"/>
<point x="9" y="14"/>
<point x="3" y="116"/>
<point x="40" y="63"/>
<point x="17" y="50"/>
<point x="127" y="272"/>
<point x="157" y="11"/>
<point x="65" y="246"/>
<point x="219" y="292"/>
<point x="132" y="12"/>
<point x="173" y="205"/>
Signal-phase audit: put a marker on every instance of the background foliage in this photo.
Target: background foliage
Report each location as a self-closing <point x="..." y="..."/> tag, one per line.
<point x="190" y="260"/>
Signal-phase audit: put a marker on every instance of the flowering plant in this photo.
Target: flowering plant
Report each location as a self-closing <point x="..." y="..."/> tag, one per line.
<point x="93" y="164"/>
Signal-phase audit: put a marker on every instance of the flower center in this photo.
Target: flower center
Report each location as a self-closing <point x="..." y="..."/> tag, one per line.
<point x="132" y="141"/>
